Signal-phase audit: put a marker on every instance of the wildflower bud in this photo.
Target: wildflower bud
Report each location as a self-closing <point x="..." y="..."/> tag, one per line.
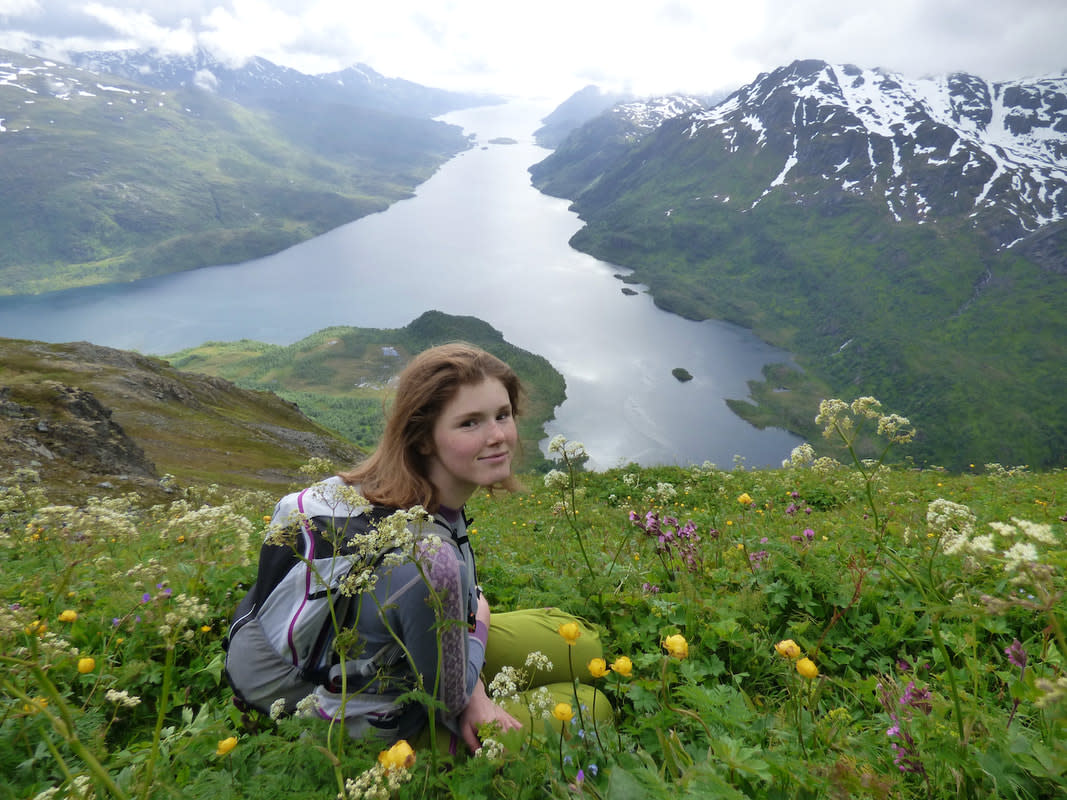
<point x="68" y="615"/>
<point x="622" y="666"/>
<point x="563" y="712"/>
<point x="676" y="646"/>
<point x="787" y="648"/>
<point x="807" y="668"/>
<point x="570" y="632"/>
<point x="86" y="665"/>
<point x="399" y="756"/>
<point x="226" y="745"/>
<point x="744" y="499"/>
<point x="598" y="667"/>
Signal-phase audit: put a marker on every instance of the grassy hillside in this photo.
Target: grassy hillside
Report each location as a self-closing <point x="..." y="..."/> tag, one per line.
<point x="340" y="376"/>
<point x="966" y="341"/>
<point x="806" y="633"/>
<point x="118" y="181"/>
<point x="93" y="420"/>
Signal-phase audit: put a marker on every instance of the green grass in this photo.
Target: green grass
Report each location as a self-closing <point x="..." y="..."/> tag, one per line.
<point x="916" y="630"/>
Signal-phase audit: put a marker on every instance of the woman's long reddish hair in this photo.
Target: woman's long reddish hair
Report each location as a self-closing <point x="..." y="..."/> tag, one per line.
<point x="395" y="474"/>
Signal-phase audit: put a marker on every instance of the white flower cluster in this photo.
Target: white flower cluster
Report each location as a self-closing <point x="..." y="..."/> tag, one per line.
<point x="97" y="521"/>
<point x="801" y="456"/>
<point x="953" y="522"/>
<point x="81" y="786"/>
<point x="122" y="698"/>
<point x="1017" y="539"/>
<point x="839" y="418"/>
<point x="377" y="783"/>
<point x="277" y="708"/>
<point x="569" y="450"/>
<point x="183" y="610"/>
<point x="662" y="494"/>
<point x="539" y="661"/>
<point x="211" y="523"/>
<point x="308" y="707"/>
<point x="505" y="684"/>
<point x="491" y="749"/>
<point x="557" y="481"/>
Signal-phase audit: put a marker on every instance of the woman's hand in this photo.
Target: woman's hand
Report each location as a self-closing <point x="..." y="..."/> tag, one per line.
<point x="480" y="711"/>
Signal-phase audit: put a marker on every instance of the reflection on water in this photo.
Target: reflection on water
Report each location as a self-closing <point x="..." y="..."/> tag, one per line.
<point x="476" y="240"/>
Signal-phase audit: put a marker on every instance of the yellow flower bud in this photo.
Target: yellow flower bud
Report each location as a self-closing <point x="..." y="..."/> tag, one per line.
<point x="744" y="499"/>
<point x="399" y="756"/>
<point x="563" y="712"/>
<point x="86" y="665"/>
<point x="622" y="666"/>
<point x="807" y="668"/>
<point x="676" y="646"/>
<point x="68" y="615"/>
<point x="570" y="632"/>
<point x="787" y="648"/>
<point x="598" y="667"/>
<point x="226" y="745"/>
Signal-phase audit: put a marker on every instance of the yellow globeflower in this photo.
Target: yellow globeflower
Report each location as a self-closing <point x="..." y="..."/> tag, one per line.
<point x="86" y="665"/>
<point x="563" y="712"/>
<point x="598" y="667"/>
<point x="226" y="745"/>
<point x="676" y="646"/>
<point x="68" y="615"/>
<point x="807" y="668"/>
<point x="787" y="648"/>
<point x="570" y="632"/>
<point x="622" y="666"/>
<point x="744" y="499"/>
<point x="399" y="756"/>
<point x="36" y="628"/>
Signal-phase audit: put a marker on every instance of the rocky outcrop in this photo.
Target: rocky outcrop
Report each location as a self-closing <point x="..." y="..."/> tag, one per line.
<point x="68" y="424"/>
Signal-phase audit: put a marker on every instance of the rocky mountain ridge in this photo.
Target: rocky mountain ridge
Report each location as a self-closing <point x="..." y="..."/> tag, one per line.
<point x="931" y="148"/>
<point x="262" y="83"/>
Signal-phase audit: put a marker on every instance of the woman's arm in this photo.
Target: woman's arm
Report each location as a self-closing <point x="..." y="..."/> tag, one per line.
<point x="481" y="709"/>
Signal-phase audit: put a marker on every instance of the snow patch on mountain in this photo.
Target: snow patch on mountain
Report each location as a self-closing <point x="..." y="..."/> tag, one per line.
<point x="1002" y="147"/>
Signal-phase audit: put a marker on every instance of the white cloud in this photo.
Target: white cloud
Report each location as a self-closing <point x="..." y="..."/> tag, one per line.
<point x="554" y="47"/>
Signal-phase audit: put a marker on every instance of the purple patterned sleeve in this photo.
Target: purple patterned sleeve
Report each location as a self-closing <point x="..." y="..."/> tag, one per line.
<point x="445" y="572"/>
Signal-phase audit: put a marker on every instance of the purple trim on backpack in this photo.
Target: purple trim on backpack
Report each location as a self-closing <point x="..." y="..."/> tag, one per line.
<point x="307" y="576"/>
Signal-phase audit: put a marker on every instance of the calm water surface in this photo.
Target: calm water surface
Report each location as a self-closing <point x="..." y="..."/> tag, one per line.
<point x="477" y="239"/>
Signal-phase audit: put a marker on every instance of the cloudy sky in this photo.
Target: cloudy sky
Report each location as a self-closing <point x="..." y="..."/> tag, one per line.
<point x="550" y="48"/>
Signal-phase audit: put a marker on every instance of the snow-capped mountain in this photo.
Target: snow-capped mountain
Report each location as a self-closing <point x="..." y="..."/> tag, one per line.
<point x="953" y="146"/>
<point x="259" y="82"/>
<point x="930" y="148"/>
<point x="593" y="146"/>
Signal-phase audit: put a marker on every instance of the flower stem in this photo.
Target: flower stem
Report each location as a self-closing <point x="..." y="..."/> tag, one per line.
<point x="164" y="699"/>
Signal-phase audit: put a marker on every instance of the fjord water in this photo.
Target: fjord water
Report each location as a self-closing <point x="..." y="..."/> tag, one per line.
<point x="478" y="240"/>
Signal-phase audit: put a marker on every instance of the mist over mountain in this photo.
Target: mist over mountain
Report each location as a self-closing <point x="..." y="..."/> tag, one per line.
<point x="906" y="238"/>
<point x="261" y="83"/>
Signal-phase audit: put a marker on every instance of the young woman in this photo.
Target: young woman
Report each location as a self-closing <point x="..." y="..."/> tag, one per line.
<point x="450" y="431"/>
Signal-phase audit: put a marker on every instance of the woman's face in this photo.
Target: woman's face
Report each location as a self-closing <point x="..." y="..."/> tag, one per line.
<point x="473" y="442"/>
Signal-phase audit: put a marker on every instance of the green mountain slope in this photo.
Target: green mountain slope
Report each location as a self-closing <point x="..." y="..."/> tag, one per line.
<point x="340" y="376"/>
<point x="746" y="220"/>
<point x="106" y="180"/>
